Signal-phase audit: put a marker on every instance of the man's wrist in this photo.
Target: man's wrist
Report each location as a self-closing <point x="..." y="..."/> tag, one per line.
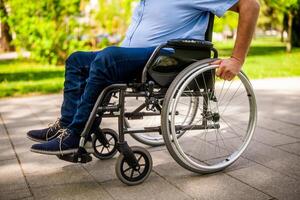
<point x="240" y="60"/>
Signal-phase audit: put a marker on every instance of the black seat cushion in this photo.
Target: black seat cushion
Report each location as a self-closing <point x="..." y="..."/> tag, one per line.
<point x="190" y="43"/>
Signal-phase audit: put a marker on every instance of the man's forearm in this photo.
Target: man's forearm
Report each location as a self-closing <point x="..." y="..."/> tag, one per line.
<point x="248" y="14"/>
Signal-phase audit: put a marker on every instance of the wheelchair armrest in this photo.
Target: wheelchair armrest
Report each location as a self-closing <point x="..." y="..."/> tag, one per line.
<point x="190" y="43"/>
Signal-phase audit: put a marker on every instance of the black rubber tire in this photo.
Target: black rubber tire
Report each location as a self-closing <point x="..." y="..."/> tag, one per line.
<point x="111" y="152"/>
<point x="120" y="172"/>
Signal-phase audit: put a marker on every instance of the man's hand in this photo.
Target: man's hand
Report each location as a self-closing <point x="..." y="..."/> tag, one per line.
<point x="228" y="68"/>
<point x="248" y="13"/>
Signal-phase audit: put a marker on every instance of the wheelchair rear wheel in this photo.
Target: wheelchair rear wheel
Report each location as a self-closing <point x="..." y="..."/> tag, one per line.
<point x="224" y="123"/>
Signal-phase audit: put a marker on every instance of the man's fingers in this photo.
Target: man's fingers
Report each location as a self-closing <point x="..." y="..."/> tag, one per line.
<point x="216" y="62"/>
<point x="229" y="76"/>
<point x="219" y="71"/>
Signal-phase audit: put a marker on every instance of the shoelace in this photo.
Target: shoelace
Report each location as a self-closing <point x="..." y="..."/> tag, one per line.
<point x="63" y="134"/>
<point x="53" y="127"/>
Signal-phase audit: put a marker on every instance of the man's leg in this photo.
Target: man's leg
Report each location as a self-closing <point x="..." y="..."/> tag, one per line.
<point x="112" y="65"/>
<point x="76" y="73"/>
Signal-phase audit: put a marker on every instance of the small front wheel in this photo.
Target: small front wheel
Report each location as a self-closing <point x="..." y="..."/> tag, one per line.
<point x="138" y="174"/>
<point x="105" y="147"/>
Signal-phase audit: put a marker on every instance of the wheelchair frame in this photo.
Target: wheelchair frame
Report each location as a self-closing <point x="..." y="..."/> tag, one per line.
<point x="103" y="109"/>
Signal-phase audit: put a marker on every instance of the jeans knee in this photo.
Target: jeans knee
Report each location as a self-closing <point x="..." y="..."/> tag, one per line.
<point x="109" y="53"/>
<point x="72" y="60"/>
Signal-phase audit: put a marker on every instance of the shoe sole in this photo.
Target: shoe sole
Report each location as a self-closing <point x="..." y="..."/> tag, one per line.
<point x="36" y="140"/>
<point x="63" y="152"/>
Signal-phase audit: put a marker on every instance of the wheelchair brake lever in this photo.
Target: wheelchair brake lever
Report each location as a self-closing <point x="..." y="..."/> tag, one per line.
<point x="151" y="87"/>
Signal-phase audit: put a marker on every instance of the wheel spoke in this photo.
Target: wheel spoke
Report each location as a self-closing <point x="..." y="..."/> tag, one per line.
<point x="127" y="169"/>
<point x="231" y="99"/>
<point x="110" y="139"/>
<point x="138" y="160"/>
<point x="132" y="172"/>
<point x="102" y="149"/>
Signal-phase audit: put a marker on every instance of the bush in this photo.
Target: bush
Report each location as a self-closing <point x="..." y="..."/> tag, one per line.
<point x="49" y="29"/>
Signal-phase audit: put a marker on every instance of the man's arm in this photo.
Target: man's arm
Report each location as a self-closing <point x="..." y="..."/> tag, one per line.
<point x="248" y="14"/>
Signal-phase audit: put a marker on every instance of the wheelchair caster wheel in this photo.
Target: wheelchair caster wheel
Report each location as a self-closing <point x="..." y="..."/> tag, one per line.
<point x="137" y="175"/>
<point x="105" y="151"/>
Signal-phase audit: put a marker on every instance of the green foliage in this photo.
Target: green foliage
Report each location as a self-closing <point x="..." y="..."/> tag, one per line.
<point x="114" y="15"/>
<point x="270" y="17"/>
<point x="51" y="29"/>
<point x="229" y="20"/>
<point x="283" y="5"/>
<point x="47" y="28"/>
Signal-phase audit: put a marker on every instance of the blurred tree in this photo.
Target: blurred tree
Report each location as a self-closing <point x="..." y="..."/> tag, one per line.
<point x="49" y="29"/>
<point x="113" y="18"/>
<point x="114" y="15"/>
<point x="228" y="21"/>
<point x="290" y="8"/>
<point x="270" y="18"/>
<point x="296" y="28"/>
<point x="5" y="35"/>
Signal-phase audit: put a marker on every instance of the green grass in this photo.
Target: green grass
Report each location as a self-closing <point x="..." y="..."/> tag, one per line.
<point x="20" y="77"/>
<point x="267" y="58"/>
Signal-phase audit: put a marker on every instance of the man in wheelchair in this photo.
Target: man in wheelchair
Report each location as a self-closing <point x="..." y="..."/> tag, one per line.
<point x="153" y="23"/>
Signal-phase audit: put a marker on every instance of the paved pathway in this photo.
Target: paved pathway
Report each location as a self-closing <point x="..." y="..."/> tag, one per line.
<point x="270" y="168"/>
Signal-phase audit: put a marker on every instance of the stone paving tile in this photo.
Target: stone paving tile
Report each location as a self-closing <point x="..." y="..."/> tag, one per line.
<point x="15" y="194"/>
<point x="280" y="127"/>
<point x="102" y="170"/>
<point x="292" y="148"/>
<point x="11" y="177"/>
<point x="69" y="174"/>
<point x="271" y="138"/>
<point x="216" y="186"/>
<point x="6" y="151"/>
<point x="74" y="191"/>
<point x="274" y="184"/>
<point x="273" y="158"/>
<point x="165" y="166"/>
<point x="154" y="188"/>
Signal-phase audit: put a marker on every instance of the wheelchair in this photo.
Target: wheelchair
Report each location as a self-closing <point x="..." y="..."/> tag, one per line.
<point x="206" y="123"/>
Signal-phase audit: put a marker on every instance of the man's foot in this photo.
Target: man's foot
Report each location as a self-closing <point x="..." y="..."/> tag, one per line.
<point x="65" y="143"/>
<point x="46" y="134"/>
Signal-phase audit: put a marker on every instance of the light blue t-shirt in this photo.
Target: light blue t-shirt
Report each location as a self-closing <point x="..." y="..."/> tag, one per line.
<point x="157" y="21"/>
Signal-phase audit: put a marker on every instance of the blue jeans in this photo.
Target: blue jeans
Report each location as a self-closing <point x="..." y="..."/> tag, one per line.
<point x="88" y="73"/>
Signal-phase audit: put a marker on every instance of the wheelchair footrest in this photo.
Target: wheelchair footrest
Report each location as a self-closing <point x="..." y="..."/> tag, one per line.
<point x="79" y="157"/>
<point x="74" y="158"/>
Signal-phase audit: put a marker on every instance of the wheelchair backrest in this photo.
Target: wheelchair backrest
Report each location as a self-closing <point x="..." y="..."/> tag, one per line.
<point x="210" y="27"/>
<point x="166" y="66"/>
